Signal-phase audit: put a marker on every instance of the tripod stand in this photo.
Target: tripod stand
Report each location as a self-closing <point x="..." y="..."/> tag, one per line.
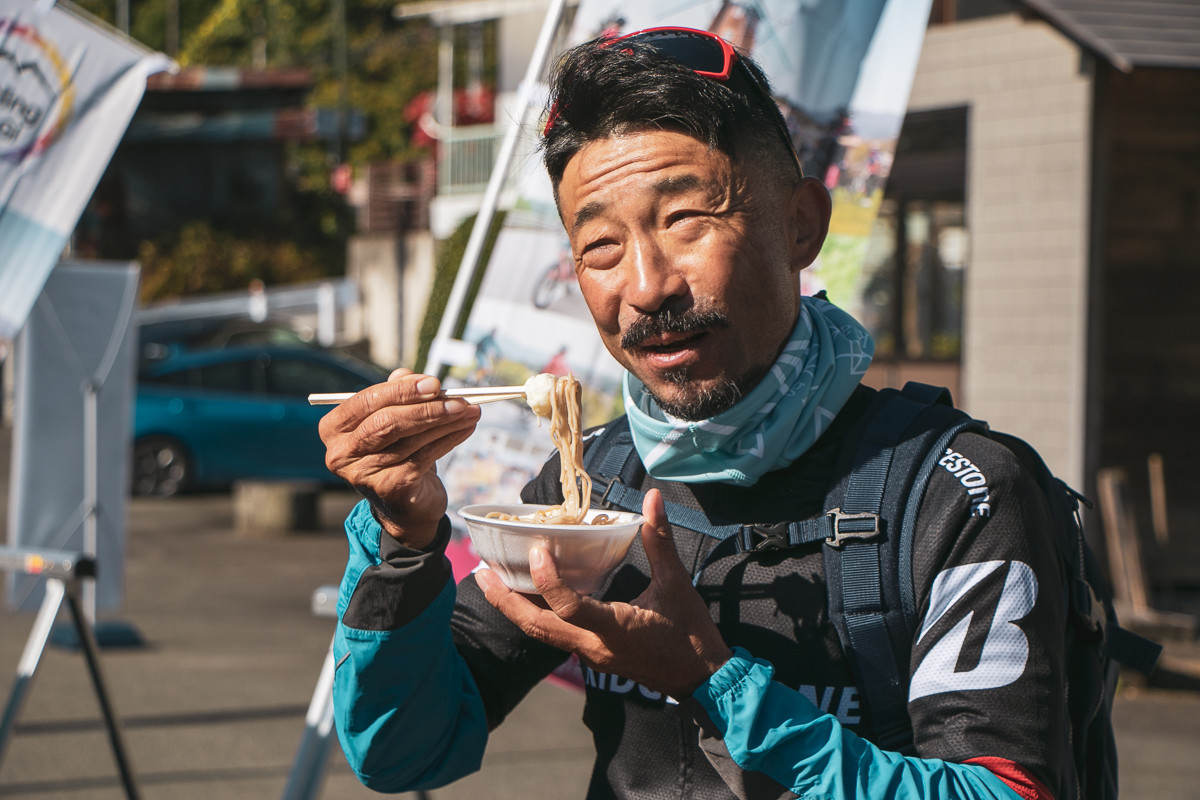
<point x="64" y="573"/>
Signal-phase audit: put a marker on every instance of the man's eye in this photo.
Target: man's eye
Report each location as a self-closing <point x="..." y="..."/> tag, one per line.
<point x="598" y="243"/>
<point x="682" y="215"/>
<point x="600" y="254"/>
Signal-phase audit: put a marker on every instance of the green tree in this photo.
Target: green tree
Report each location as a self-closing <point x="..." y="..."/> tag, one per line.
<point x="388" y="62"/>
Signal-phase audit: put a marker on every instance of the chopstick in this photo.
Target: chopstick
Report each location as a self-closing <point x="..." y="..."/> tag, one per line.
<point x="474" y="395"/>
<point x="484" y="391"/>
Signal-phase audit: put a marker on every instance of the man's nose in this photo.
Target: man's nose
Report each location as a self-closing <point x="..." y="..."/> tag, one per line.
<point x="654" y="279"/>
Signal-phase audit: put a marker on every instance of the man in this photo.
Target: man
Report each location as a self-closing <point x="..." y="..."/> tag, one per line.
<point x="710" y="673"/>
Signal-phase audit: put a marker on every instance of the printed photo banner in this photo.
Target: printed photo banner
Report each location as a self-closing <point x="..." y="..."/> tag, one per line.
<point x="841" y="71"/>
<point x="68" y="88"/>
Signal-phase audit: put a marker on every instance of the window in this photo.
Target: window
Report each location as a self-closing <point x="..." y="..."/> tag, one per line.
<point x="232" y="376"/>
<point x="299" y="378"/>
<point x="180" y="377"/>
<point x="914" y="268"/>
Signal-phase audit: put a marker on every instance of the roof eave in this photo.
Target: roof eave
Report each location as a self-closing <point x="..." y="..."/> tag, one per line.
<point x="1082" y="38"/>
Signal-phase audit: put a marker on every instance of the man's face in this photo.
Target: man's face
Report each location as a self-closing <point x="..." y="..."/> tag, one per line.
<point x="688" y="261"/>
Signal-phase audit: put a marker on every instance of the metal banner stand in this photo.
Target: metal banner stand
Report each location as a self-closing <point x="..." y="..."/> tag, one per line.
<point x="308" y="767"/>
<point x="64" y="573"/>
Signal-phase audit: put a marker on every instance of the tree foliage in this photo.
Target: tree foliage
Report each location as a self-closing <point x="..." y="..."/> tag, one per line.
<point x="387" y="62"/>
<point x="201" y="258"/>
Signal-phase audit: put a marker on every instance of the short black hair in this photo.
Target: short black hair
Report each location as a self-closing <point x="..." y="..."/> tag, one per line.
<point x="599" y="91"/>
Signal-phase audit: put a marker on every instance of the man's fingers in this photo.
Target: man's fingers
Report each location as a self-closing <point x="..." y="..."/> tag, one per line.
<point x="655" y="512"/>
<point x="419" y="452"/>
<point x="658" y="541"/>
<point x="562" y="599"/>
<point x="443" y="440"/>
<point x="421" y="444"/>
<point x="421" y="423"/>
<point x="398" y="390"/>
<point x="411" y="422"/>
<point x="541" y="624"/>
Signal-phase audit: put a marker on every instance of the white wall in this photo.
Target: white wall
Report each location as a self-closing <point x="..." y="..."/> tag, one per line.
<point x="1025" y="312"/>
<point x="394" y="276"/>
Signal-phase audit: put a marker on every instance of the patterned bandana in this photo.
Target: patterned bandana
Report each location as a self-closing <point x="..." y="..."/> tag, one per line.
<point x="772" y="426"/>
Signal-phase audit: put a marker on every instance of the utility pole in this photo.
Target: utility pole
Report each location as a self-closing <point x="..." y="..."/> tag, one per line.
<point x="342" y="70"/>
<point x="172" y="34"/>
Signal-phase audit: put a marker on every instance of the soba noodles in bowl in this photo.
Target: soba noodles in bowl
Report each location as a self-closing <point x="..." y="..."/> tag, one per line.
<point x="586" y="544"/>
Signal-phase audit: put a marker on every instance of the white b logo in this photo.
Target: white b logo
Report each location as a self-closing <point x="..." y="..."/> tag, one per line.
<point x="1005" y="649"/>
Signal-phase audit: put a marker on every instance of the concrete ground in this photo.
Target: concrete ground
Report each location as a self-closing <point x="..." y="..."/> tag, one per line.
<point x="213" y="704"/>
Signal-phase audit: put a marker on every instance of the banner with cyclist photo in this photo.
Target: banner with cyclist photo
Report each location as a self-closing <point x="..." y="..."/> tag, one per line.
<point x="841" y="73"/>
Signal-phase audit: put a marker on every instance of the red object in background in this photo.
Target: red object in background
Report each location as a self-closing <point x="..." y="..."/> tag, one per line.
<point x="557" y="365"/>
<point x="472" y="106"/>
<point x="417" y="108"/>
<point x="340" y="179"/>
<point x="462" y="558"/>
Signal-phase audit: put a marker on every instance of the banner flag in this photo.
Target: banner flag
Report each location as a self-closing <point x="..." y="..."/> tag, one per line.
<point x="68" y="88"/>
<point x="841" y="71"/>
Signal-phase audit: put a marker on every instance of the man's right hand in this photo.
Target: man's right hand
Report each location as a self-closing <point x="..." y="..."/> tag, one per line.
<point x="386" y="440"/>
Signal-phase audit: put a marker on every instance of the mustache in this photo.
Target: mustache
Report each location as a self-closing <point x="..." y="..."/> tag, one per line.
<point x="668" y="321"/>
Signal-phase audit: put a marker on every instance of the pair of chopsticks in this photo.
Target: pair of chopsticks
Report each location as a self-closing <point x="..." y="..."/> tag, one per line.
<point x="473" y="395"/>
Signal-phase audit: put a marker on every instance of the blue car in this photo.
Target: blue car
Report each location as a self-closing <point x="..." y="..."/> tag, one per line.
<point x="208" y="418"/>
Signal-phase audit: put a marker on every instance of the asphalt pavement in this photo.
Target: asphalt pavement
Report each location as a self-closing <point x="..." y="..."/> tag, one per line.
<point x="213" y="703"/>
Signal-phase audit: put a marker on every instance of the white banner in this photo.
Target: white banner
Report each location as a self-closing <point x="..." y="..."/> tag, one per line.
<point x="75" y="365"/>
<point x="68" y="88"/>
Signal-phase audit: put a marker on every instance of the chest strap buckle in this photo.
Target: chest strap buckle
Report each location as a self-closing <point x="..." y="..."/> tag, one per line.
<point x="761" y="538"/>
<point x="853" y="526"/>
<point x="603" y="500"/>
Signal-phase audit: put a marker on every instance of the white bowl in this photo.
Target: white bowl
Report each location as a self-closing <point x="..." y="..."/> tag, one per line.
<point x="585" y="554"/>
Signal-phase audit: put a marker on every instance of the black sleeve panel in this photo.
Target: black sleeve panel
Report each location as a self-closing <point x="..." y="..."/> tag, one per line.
<point x="987" y="672"/>
<point x="505" y="663"/>
<point x="399" y="588"/>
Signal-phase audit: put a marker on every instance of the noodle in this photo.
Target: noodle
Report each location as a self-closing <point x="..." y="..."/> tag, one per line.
<point x="567" y="435"/>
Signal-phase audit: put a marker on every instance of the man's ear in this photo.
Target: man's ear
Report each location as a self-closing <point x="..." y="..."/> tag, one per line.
<point x="810" y="207"/>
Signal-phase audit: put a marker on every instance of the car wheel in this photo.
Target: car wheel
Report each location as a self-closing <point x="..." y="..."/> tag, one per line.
<point x="160" y="466"/>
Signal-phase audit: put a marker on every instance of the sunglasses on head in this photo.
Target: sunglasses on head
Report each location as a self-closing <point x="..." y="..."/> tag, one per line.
<point x="707" y="55"/>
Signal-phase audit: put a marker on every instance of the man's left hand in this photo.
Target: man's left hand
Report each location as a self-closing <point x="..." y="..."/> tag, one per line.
<point x="664" y="639"/>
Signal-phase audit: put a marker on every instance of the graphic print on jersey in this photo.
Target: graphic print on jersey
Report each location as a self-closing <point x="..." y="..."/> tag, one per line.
<point x="959" y="661"/>
<point x="839" y="701"/>
<point x="972" y="479"/>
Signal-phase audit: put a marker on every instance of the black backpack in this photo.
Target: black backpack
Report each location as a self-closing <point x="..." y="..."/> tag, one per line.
<point x="886" y="461"/>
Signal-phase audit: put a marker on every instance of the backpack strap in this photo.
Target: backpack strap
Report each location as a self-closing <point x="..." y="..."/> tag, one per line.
<point x="887" y="460"/>
<point x="615" y="468"/>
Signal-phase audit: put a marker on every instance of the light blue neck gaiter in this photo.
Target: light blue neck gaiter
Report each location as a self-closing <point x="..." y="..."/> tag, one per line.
<point x="823" y="361"/>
